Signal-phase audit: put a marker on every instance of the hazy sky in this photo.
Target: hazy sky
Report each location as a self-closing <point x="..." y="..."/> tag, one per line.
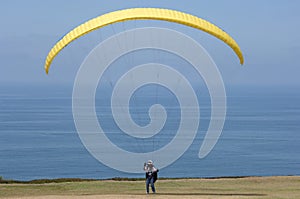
<point x="267" y="32"/>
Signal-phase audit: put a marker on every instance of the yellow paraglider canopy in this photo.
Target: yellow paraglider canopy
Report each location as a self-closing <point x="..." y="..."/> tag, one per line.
<point x="142" y="13"/>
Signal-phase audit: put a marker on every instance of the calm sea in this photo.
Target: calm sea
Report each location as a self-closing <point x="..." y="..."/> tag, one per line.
<point x="261" y="137"/>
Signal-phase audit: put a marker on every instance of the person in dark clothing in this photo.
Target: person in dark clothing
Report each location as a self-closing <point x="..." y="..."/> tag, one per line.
<point x="151" y="175"/>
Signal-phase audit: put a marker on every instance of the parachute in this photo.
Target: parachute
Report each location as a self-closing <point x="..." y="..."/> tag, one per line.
<point x="143" y="14"/>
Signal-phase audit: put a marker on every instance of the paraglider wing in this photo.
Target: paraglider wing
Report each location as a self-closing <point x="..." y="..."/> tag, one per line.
<point x="142" y="13"/>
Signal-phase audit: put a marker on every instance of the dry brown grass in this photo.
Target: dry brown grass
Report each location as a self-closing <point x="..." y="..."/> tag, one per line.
<point x="249" y="187"/>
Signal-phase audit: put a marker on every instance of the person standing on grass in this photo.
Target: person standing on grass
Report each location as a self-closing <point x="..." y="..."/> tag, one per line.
<point x="151" y="175"/>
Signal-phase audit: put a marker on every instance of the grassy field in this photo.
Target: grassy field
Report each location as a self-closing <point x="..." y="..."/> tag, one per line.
<point x="248" y="187"/>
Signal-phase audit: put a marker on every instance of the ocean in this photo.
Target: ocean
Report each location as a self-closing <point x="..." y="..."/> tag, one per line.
<point x="261" y="137"/>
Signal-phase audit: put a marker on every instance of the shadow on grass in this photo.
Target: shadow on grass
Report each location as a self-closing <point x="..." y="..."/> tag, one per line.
<point x="211" y="194"/>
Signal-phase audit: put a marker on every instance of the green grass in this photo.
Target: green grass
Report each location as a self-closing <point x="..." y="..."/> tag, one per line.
<point x="249" y="187"/>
